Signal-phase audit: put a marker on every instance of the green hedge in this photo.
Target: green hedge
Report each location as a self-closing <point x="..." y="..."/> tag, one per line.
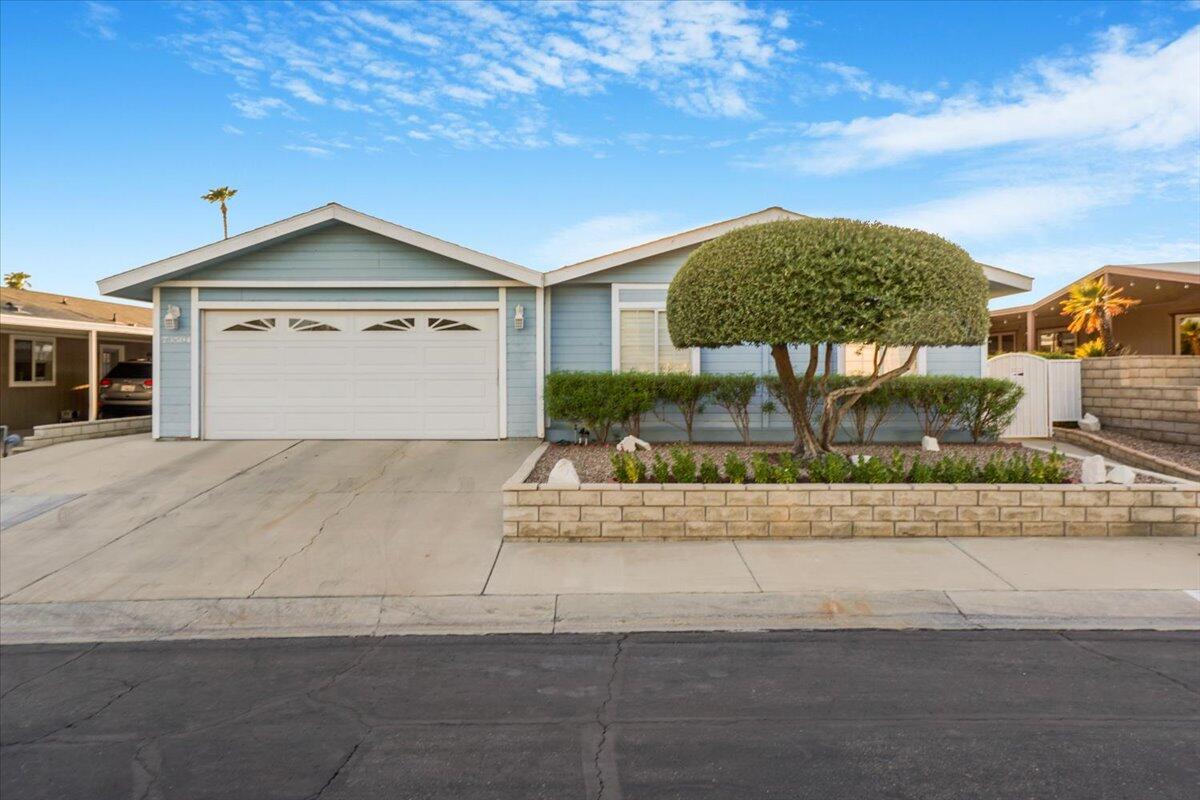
<point x="600" y="400"/>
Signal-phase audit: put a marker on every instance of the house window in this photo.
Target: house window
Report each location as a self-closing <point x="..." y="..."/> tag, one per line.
<point x="1002" y="343"/>
<point x="305" y="325"/>
<point x="1187" y="334"/>
<point x="30" y="361"/>
<point x="263" y="325"/>
<point x="398" y="324"/>
<point x="446" y="324"/>
<point x="1057" y="340"/>
<point x="644" y="343"/>
<point x="861" y="359"/>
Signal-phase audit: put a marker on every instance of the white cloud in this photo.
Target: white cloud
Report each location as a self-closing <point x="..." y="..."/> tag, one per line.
<point x="400" y="30"/>
<point x="857" y="80"/>
<point x="600" y="235"/>
<point x="1124" y="95"/>
<point x="259" y="107"/>
<point x="1003" y="210"/>
<point x="100" y="19"/>
<point x="309" y="149"/>
<point x="232" y="130"/>
<point x="300" y="89"/>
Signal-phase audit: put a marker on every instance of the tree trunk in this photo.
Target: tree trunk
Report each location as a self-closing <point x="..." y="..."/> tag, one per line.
<point x="1106" y="333"/>
<point x="224" y="220"/>
<point x="796" y="392"/>
<point x="834" y="409"/>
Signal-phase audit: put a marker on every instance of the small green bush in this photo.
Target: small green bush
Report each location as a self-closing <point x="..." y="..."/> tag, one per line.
<point x="870" y="470"/>
<point x="829" y="468"/>
<point x="734" y="393"/>
<point x="628" y="468"/>
<point x="735" y="468"/>
<point x="683" y="465"/>
<point x="708" y="471"/>
<point x="988" y="406"/>
<point x="787" y="471"/>
<point x="954" y="469"/>
<point x="660" y="470"/>
<point x="937" y="400"/>
<point x="919" y="472"/>
<point x="764" y="470"/>
<point x="597" y="400"/>
<point x="686" y="392"/>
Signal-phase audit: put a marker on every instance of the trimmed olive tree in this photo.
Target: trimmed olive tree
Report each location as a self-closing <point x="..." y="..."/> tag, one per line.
<point x="815" y="283"/>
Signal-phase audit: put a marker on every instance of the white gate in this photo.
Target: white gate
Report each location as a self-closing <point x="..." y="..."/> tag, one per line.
<point x="1031" y="373"/>
<point x="1066" y="397"/>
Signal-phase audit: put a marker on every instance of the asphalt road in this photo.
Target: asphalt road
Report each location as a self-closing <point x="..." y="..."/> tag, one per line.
<point x="859" y="714"/>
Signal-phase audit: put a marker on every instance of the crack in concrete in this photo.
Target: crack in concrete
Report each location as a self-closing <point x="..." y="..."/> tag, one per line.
<point x="1118" y="660"/>
<point x="974" y="625"/>
<point x="340" y="767"/>
<point x="604" y="723"/>
<point x="150" y="776"/>
<point x="129" y="687"/>
<point x="53" y="669"/>
<point x="305" y="546"/>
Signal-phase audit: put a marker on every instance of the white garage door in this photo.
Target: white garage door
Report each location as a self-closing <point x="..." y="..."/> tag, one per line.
<point x="350" y="375"/>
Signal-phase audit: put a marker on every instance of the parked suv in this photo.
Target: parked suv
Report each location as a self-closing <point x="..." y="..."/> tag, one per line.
<point x="126" y="389"/>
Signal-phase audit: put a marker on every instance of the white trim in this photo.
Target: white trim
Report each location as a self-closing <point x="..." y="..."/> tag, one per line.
<point x="306" y="221"/>
<point x="347" y="305"/>
<point x="540" y="358"/>
<point x="194" y="401"/>
<point x="380" y="284"/>
<point x="93" y="378"/>
<point x="156" y="368"/>
<point x="659" y="306"/>
<point x="615" y="334"/>
<point x="502" y="361"/>
<point x="13" y="383"/>
<point x="24" y="321"/>
<point x="665" y="245"/>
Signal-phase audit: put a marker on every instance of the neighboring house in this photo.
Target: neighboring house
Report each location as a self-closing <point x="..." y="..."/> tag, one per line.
<point x="55" y="348"/>
<point x="1169" y="295"/>
<point x="338" y="325"/>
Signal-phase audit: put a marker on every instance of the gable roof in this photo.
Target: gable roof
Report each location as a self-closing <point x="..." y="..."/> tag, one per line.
<point x="1181" y="271"/>
<point x="666" y="244"/>
<point x="158" y="271"/>
<point x="18" y="304"/>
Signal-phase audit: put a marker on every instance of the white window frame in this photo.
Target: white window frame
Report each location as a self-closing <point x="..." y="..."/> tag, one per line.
<point x="641" y="305"/>
<point x="13" y="383"/>
<point x="919" y="368"/>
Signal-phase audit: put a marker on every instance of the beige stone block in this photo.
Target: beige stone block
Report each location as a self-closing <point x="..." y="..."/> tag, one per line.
<point x="744" y="530"/>
<point x="836" y="530"/>
<point x="911" y="497"/>
<point x="1042" y="528"/>
<point x="509" y="498"/>
<point x="1064" y="514"/>
<point x="958" y="528"/>
<point x="1133" y="528"/>
<point x="829" y="498"/>
<point x="767" y="514"/>
<point x="894" y="513"/>
<point x="788" y="498"/>
<point x="921" y="528"/>
<point x="809" y="513"/>
<point x="999" y="528"/>
<point x="630" y="530"/>
<point x="663" y="498"/>
<point x="851" y="513"/>
<point x="704" y="498"/>
<point x="936" y="513"/>
<point x="1042" y="497"/>
<point x="622" y="498"/>
<point x="521" y="513"/>
<point x="1153" y="514"/>
<point x="1020" y="514"/>
<point x="600" y="514"/>
<point x="683" y="513"/>
<point x="874" y="529"/>
<point x="725" y="514"/>
<point x="666" y="530"/>
<point x="746" y="498"/>
<point x="579" y="529"/>
<point x="708" y="529"/>
<point x="1174" y="528"/>
<point x="1108" y="514"/>
<point x="1118" y="497"/>
<point x="538" y="528"/>
<point x="1085" y="528"/>
<point x="871" y="497"/>
<point x="575" y="498"/>
<point x="558" y="513"/>
<point x="511" y="528"/>
<point x="539" y="497"/>
<point x="978" y="513"/>
<point x="1175" y="498"/>
<point x="1187" y="514"/>
<point x="957" y="497"/>
<point x="642" y="514"/>
<point x="1085" y="498"/>
<point x="790" y="530"/>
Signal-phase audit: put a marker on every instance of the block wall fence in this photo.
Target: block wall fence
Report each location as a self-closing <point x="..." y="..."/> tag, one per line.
<point x="1155" y="397"/>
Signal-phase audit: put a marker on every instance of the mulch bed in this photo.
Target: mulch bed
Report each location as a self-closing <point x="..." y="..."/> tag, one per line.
<point x="1183" y="454"/>
<point x="592" y="462"/>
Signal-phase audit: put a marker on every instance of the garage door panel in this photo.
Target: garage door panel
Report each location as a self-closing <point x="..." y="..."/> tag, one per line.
<point x="289" y="382"/>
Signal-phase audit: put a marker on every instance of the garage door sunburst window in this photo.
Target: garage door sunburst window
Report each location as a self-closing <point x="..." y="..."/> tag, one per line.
<point x="402" y="324"/>
<point x="254" y="325"/>
<point x="444" y="324"/>
<point x="306" y="325"/>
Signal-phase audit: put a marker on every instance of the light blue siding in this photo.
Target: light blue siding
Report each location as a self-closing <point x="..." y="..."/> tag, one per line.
<point x="655" y="269"/>
<point x="643" y="295"/>
<point x="451" y="294"/>
<point x="340" y="252"/>
<point x="175" y="368"/>
<point x="967" y="361"/>
<point x="580" y="328"/>
<point x="521" y="356"/>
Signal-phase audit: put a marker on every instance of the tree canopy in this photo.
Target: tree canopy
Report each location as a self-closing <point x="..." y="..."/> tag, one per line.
<point x="828" y="280"/>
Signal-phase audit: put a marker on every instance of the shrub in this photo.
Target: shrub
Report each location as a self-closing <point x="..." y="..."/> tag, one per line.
<point x="1093" y="348"/>
<point x="870" y="470"/>
<point x="787" y="471"/>
<point x="954" y="469"/>
<point x="597" y="400"/>
<point x="735" y="468"/>
<point x="683" y="465"/>
<point x="988" y="406"/>
<point x="643" y="396"/>
<point x="919" y="472"/>
<point x="764" y="470"/>
<point x="686" y="392"/>
<point x="872" y="410"/>
<point x="734" y="393"/>
<point x="708" y="471"/>
<point x="660" y="470"/>
<point x="829" y="468"/>
<point x="937" y="400"/>
<point x="627" y="468"/>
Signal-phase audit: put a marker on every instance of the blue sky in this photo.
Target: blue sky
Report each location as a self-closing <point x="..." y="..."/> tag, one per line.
<point x="1049" y="138"/>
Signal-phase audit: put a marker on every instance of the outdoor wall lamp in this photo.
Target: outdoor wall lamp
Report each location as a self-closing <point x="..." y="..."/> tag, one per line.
<point x="519" y="318"/>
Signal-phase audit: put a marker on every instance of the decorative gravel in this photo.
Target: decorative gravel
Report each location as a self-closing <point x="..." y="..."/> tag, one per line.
<point x="1183" y="454"/>
<point x="593" y="464"/>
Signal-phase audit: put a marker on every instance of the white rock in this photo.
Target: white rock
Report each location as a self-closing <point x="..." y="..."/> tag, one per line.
<point x="860" y="459"/>
<point x="1094" y="470"/>
<point x="929" y="444"/>
<point x="1089" y="423"/>
<point x="1121" y="474"/>
<point x="563" y="476"/>
<point x="632" y="444"/>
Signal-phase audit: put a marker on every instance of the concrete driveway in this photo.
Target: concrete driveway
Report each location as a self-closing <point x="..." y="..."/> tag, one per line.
<point x="161" y="520"/>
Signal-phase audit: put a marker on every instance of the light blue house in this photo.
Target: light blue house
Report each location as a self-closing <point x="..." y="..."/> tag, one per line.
<point x="335" y="324"/>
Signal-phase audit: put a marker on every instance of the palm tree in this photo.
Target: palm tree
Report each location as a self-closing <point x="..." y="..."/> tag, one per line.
<point x="220" y="195"/>
<point x="1092" y="306"/>
<point x="1189" y="332"/>
<point x="17" y="280"/>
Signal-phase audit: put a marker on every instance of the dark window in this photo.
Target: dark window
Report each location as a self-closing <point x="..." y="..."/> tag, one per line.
<point x="402" y="324"/>
<point x="256" y="325"/>
<point x="131" y="370"/>
<point x="309" y="325"/>
<point x="444" y="324"/>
